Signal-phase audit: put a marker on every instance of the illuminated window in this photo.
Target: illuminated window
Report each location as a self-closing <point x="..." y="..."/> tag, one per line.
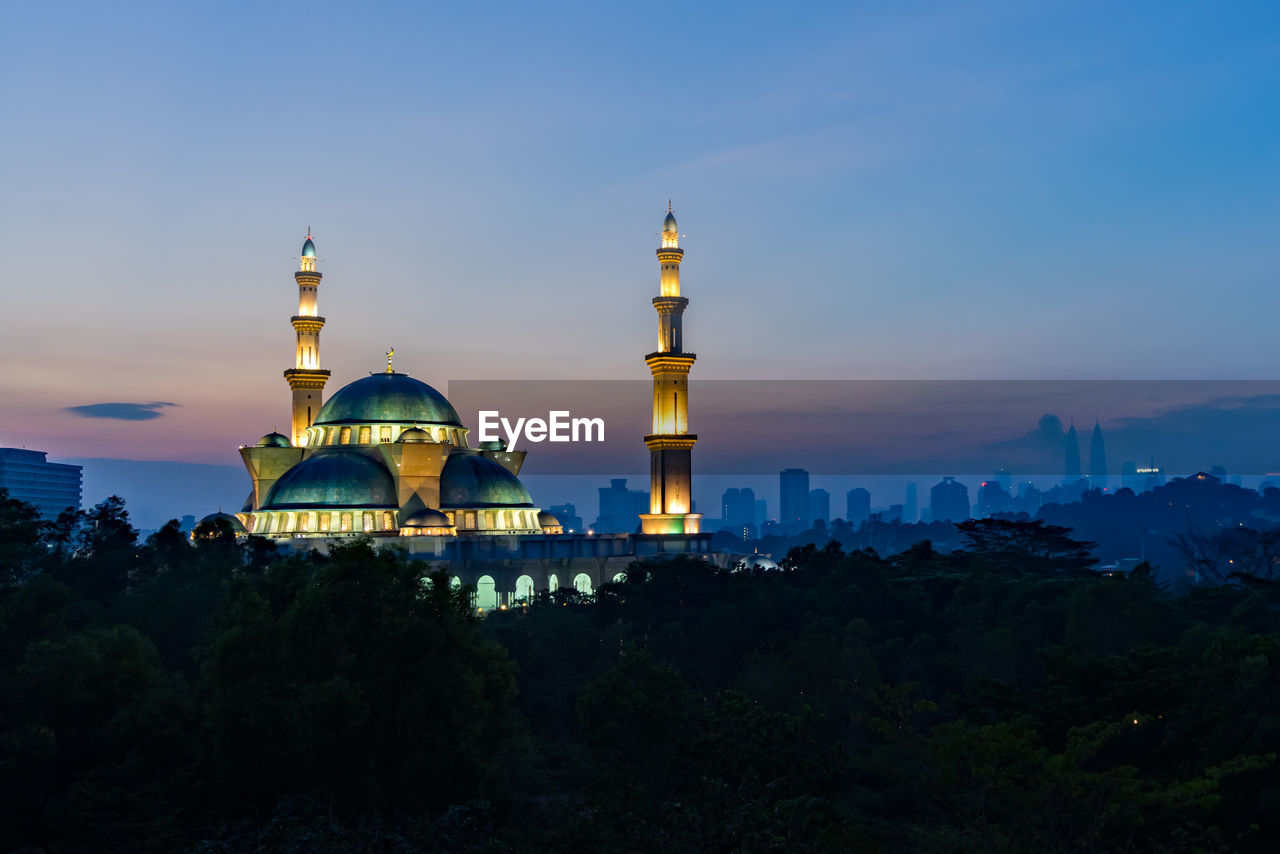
<point x="346" y="436"/>
<point x="364" y="435"/>
<point x="387" y="522"/>
<point x="368" y="523"/>
<point x="346" y="521"/>
<point x="324" y="521"/>
<point x="471" y="519"/>
<point x="386" y="434"/>
<point x="449" y="515"/>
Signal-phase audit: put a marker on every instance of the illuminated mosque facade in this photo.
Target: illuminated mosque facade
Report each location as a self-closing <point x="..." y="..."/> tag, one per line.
<point x="388" y="456"/>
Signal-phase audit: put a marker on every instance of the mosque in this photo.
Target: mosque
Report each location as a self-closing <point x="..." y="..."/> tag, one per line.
<point x="388" y="456"/>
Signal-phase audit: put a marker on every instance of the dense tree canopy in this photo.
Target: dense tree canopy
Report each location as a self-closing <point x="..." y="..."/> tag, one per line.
<point x="209" y="696"/>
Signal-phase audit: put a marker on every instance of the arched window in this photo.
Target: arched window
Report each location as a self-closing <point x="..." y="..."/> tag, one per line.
<point x="367" y="527"/>
<point x="346" y="436"/>
<point x="524" y="588"/>
<point x="553" y="583"/>
<point x="324" y="521"/>
<point x="486" y="593"/>
<point x="386" y="434"/>
<point x="346" y="522"/>
<point x="582" y="582"/>
<point x="364" y="436"/>
<point x="471" y="519"/>
<point x="387" y="521"/>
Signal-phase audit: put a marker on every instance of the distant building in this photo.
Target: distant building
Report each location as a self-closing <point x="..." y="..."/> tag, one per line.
<point x="992" y="498"/>
<point x="619" y="507"/>
<point x="949" y="501"/>
<point x="1097" y="459"/>
<point x="911" y="508"/>
<point x="570" y="521"/>
<point x="738" y="507"/>
<point x="29" y="477"/>
<point x="793" y="492"/>
<point x="857" y="507"/>
<point x="762" y="511"/>
<point x="819" y="505"/>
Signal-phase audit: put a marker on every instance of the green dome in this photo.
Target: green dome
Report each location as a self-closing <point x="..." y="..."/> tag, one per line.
<point x="427" y="518"/>
<point x="387" y="399"/>
<point x="308" y="248"/>
<point x="275" y="440"/>
<point x="469" y="480"/>
<point x="232" y="522"/>
<point x="414" y="434"/>
<point x="333" y="478"/>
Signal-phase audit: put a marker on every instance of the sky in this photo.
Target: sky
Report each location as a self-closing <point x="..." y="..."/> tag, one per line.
<point x="868" y="191"/>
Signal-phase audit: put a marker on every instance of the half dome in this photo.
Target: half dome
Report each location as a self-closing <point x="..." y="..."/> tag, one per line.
<point x="212" y="520"/>
<point x="275" y="440"/>
<point x="333" y="479"/>
<point x="387" y="399"/>
<point x="470" y="480"/>
<point x="427" y="518"/>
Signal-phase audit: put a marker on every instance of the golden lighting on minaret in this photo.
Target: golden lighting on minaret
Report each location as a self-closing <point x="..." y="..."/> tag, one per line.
<point x="670" y="445"/>
<point x="306" y="378"/>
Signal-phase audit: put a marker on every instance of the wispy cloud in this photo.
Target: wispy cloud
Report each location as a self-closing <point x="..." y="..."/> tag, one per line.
<point x="121" y="411"/>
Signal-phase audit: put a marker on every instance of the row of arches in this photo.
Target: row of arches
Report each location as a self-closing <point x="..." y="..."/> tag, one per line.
<point x="374" y="434"/>
<point x="488" y="597"/>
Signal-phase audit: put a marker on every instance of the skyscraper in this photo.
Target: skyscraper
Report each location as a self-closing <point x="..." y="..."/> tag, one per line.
<point x="819" y="505"/>
<point x="1073" y="471"/>
<point x="738" y="507"/>
<point x="29" y="477"/>
<point x="911" y="508"/>
<point x="949" y="501"/>
<point x="1097" y="459"/>
<point x="857" y="506"/>
<point x="793" y="494"/>
<point x="670" y="444"/>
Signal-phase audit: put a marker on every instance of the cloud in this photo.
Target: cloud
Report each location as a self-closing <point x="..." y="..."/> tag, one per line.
<point x="121" y="411"/>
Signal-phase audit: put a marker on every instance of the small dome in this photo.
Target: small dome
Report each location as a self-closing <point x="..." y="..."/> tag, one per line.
<point x="211" y="521"/>
<point x="414" y="434"/>
<point x="275" y="440"/>
<point x="333" y="478"/>
<point x="428" y="518"/>
<point x="387" y="399"/>
<point x="669" y="224"/>
<point x="493" y="445"/>
<point x="548" y="520"/>
<point x="469" y="480"/>
<point x="308" y="248"/>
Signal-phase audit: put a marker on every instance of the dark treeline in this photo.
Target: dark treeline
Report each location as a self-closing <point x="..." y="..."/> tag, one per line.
<point x="1004" y="696"/>
<point x="1192" y="530"/>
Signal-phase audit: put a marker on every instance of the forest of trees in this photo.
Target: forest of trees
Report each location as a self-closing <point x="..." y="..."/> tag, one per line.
<point x="213" y="696"/>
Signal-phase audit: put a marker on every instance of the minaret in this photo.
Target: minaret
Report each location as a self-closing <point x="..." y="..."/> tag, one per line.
<point x="671" y="443"/>
<point x="305" y="377"/>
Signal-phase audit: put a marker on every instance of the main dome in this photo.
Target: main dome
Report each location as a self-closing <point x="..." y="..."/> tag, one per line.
<point x="387" y="399"/>
<point x="333" y="479"/>
<point x="470" y="480"/>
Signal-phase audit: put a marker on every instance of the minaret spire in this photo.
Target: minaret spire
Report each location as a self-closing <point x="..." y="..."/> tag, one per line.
<point x="306" y="378"/>
<point x="671" y="443"/>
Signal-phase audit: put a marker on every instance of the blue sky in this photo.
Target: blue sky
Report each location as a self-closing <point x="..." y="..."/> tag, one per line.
<point x="913" y="190"/>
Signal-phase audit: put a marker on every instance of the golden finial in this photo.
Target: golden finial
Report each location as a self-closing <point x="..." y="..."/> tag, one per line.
<point x="390" y="353"/>
<point x="668" y="211"/>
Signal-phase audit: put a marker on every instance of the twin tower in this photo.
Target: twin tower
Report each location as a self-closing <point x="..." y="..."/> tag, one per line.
<point x="670" y="444"/>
